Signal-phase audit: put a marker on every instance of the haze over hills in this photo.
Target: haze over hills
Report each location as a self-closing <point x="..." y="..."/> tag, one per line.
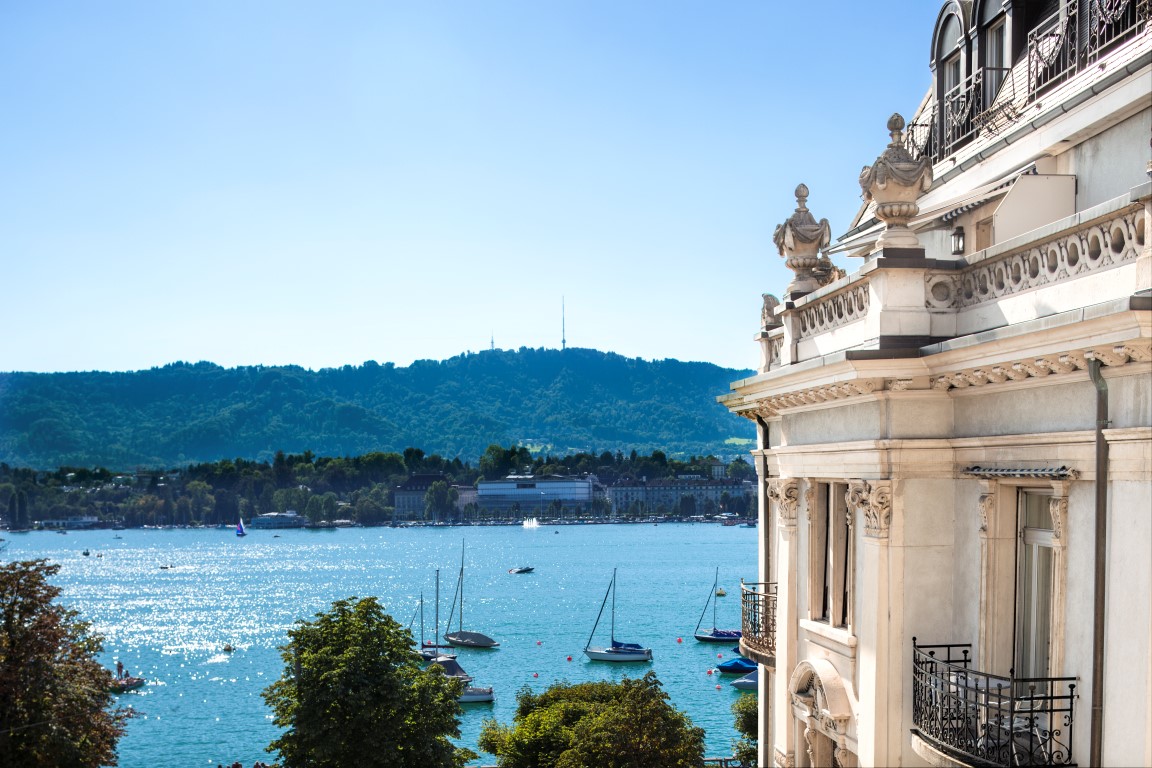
<point x="555" y="401"/>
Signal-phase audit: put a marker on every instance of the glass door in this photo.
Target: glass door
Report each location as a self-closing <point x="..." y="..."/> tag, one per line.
<point x="1034" y="586"/>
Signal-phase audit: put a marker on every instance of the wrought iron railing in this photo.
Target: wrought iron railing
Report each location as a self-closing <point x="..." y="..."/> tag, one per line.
<point x="990" y="719"/>
<point x="962" y="105"/>
<point x="1078" y="36"/>
<point x="758" y="617"/>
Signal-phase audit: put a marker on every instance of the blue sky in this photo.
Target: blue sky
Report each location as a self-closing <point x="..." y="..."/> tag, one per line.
<point x="324" y="183"/>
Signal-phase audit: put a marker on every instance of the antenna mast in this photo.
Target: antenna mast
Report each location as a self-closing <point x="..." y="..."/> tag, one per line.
<point x="563" y="331"/>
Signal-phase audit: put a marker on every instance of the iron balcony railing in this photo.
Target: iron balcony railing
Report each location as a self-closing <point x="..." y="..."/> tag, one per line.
<point x="1058" y="48"/>
<point x="990" y="720"/>
<point x="758" y="617"/>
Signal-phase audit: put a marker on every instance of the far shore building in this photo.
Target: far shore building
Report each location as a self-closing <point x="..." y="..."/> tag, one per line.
<point x="954" y="438"/>
<point x="529" y="496"/>
<point x="666" y="495"/>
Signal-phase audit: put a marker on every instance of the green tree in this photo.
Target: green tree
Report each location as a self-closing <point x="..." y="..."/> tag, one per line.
<point x="629" y="724"/>
<point x="746" y="710"/>
<point x="54" y="694"/>
<point x="353" y="693"/>
<point x="440" y="500"/>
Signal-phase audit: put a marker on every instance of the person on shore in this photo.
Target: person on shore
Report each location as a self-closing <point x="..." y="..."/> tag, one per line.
<point x="119" y="670"/>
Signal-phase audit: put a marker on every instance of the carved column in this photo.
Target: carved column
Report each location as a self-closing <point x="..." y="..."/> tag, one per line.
<point x="894" y="182"/>
<point x="988" y="509"/>
<point x="785" y="496"/>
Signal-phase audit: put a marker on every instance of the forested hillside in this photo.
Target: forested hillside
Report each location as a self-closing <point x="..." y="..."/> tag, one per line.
<point x="558" y="401"/>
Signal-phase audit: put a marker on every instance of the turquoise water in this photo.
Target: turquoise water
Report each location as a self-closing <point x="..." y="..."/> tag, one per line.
<point x="203" y="707"/>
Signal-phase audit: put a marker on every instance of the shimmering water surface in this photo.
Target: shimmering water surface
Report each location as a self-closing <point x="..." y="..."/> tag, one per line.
<point x="203" y="706"/>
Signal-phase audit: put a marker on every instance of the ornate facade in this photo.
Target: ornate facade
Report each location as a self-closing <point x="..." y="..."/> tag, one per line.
<point x="955" y="434"/>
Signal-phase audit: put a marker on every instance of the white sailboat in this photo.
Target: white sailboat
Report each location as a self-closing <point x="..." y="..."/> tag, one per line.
<point x="614" y="651"/>
<point x="461" y="638"/>
<point x="715" y="635"/>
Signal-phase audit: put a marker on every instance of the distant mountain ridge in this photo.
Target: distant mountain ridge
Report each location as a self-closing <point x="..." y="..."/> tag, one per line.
<point x="552" y="400"/>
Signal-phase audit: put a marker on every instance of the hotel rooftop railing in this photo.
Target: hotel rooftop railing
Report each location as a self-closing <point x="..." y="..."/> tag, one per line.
<point x="758" y="621"/>
<point x="989" y="719"/>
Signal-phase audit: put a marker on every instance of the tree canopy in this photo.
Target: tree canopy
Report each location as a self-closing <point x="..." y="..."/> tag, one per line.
<point x="561" y="401"/>
<point x="55" y="697"/>
<point x="353" y="693"/>
<point x="629" y="724"/>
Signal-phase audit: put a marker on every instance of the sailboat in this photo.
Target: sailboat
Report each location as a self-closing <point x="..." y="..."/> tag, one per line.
<point x="714" y="635"/>
<point x="615" y="651"/>
<point x="240" y="528"/>
<point x="430" y="650"/>
<point x="461" y="638"/>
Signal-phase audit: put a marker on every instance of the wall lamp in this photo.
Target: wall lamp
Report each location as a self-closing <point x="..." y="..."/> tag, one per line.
<point x="958" y="241"/>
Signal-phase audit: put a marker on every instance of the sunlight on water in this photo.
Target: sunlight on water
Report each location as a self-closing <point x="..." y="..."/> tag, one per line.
<point x="168" y="602"/>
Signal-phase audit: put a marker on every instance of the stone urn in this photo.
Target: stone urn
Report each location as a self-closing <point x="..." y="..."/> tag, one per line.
<point x="894" y="182"/>
<point x="801" y="240"/>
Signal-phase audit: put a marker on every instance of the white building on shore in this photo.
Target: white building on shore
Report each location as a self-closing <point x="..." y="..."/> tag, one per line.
<point x="955" y="438"/>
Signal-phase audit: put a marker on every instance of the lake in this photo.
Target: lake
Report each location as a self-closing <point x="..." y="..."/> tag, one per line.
<point x="202" y="706"/>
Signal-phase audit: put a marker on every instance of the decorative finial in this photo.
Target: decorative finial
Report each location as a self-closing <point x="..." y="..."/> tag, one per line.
<point x="894" y="181"/>
<point x="800" y="241"/>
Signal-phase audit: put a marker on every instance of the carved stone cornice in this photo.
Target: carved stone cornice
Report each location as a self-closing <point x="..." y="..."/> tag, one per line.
<point x="786" y="493"/>
<point x="1056" y="364"/>
<point x="874" y="500"/>
<point x="782" y="760"/>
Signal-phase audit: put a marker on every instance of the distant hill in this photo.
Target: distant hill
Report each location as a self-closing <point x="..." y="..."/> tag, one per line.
<point x="550" y="400"/>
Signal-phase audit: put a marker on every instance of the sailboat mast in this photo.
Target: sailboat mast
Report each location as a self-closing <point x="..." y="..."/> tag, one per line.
<point x="613" y="631"/>
<point x="437" y="633"/>
<point x="461" y="625"/>
<point x="421" y="619"/>
<point x="715" y="582"/>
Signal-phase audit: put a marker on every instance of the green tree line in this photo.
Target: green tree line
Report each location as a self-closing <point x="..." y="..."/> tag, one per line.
<point x="357" y="488"/>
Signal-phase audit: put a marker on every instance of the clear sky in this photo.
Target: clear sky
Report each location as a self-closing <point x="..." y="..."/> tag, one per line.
<point x="326" y="182"/>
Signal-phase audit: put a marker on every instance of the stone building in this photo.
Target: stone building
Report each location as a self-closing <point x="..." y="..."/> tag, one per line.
<point x="955" y="438"/>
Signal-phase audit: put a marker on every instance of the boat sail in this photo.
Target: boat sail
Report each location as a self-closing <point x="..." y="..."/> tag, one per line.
<point x="714" y="635"/>
<point x="615" y="651"/>
<point x="240" y="528"/>
<point x="461" y="638"/>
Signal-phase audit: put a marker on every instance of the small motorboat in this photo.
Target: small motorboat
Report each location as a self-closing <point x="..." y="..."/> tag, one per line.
<point x="521" y="569"/>
<point x="736" y="666"/>
<point x="125" y="684"/>
<point x="471" y="694"/>
<point x="228" y="648"/>
<point x="475" y="695"/>
<point x="85" y="553"/>
<point x="750" y="682"/>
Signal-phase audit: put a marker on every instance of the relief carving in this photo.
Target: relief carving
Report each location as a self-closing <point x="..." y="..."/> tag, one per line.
<point x="875" y="501"/>
<point x="1058" y="509"/>
<point x="786" y="493"/>
<point x="987" y="510"/>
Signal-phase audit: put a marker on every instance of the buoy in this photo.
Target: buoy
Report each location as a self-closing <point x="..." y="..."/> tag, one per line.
<point x="719" y="655"/>
<point x="679" y="639"/>
<point x="709" y="671"/>
<point x="717" y="687"/>
<point x="535" y="674"/>
<point x="569" y="658"/>
<point x="537" y="642"/>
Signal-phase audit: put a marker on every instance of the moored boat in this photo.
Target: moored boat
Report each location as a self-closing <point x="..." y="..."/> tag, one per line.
<point x="615" y="650"/>
<point x="462" y="638"/>
<point x="714" y="635"/>
<point x="750" y="681"/>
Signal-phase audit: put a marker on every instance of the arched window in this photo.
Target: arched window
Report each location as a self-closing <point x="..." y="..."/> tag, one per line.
<point x="958" y="100"/>
<point x="994" y="54"/>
